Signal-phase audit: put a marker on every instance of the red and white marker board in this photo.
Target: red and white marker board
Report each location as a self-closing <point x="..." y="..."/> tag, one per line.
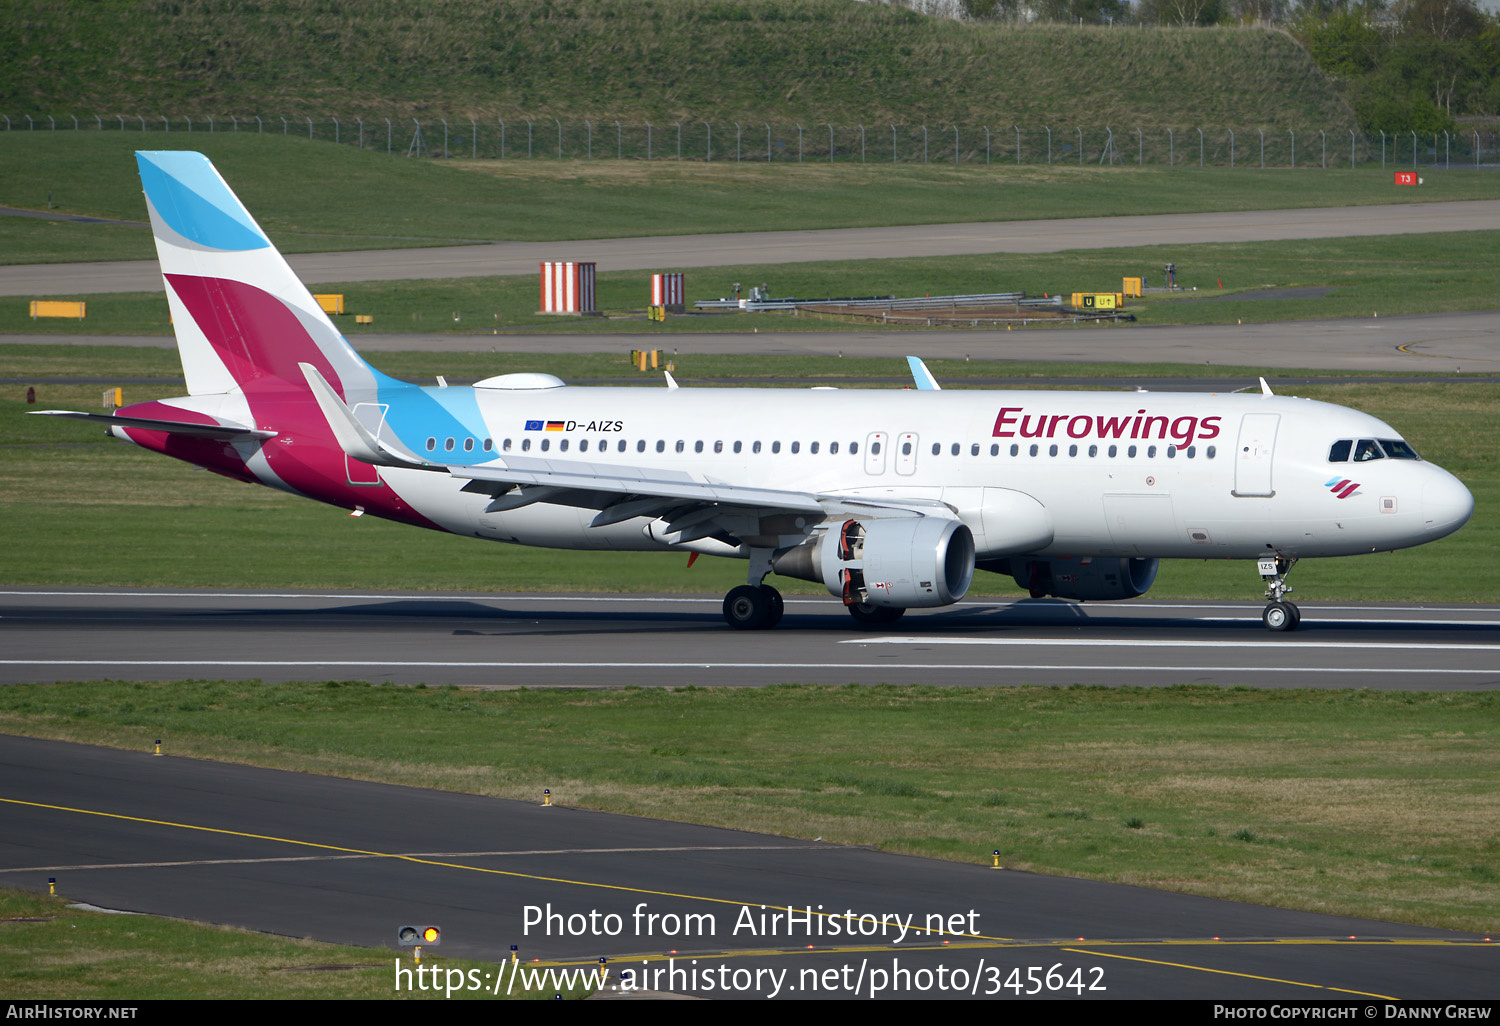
<point x="567" y="287"/>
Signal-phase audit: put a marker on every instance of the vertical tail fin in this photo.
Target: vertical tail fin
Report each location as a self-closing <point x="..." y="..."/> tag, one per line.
<point x="242" y="317"/>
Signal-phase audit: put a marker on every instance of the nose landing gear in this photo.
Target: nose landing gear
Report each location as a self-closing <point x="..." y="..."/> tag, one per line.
<point x="1279" y="615"/>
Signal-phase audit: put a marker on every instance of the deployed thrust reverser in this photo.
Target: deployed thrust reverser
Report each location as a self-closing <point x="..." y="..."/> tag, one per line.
<point x="882" y="567"/>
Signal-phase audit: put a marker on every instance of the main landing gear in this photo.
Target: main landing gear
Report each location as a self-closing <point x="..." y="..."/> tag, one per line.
<point x="1279" y="615"/>
<point x="755" y="606"/>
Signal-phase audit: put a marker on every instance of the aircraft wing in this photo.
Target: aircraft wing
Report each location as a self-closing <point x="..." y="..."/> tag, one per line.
<point x="695" y="506"/>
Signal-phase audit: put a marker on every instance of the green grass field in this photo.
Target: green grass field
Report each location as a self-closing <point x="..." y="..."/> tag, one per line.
<point x="1377" y="804"/>
<point x="1383" y="274"/>
<point x="51" y="952"/>
<point x="312" y="196"/>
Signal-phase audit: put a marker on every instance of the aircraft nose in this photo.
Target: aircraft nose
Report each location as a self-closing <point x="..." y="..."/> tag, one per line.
<point x="1446" y="503"/>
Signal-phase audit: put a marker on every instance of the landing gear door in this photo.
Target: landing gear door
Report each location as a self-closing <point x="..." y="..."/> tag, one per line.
<point x="875" y="446"/>
<point x="1252" y="463"/>
<point x="372" y="417"/>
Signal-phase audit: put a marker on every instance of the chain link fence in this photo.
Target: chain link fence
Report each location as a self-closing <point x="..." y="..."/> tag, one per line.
<point x="708" y="141"/>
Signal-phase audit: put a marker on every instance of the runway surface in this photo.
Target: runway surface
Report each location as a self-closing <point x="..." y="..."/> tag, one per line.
<point x="680" y="252"/>
<point x="350" y="862"/>
<point x="613" y="641"/>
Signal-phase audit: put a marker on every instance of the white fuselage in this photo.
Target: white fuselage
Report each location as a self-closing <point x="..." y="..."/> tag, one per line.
<point x="1127" y="474"/>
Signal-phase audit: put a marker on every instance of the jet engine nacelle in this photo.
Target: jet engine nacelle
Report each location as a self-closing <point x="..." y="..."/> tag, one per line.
<point x="1100" y="578"/>
<point x="901" y="563"/>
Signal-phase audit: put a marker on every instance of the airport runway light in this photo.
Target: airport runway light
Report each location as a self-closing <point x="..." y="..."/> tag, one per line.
<point x="51" y="885"/>
<point x="408" y="936"/>
<point x="158" y="747"/>
<point x="546" y="797"/>
<point x="997" y="859"/>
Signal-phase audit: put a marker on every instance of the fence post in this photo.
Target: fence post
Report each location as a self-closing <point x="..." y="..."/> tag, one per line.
<point x="1109" y="147"/>
<point x="54" y="122"/>
<point x="1200" y="147"/>
<point x="619" y="141"/>
<point x="924" y="144"/>
<point x="799" y="141"/>
<point x="679" y="138"/>
<point x="559" y="137"/>
<point x="502" y="137"/>
<point x="1049" y="145"/>
<point x="387" y="137"/>
<point x="284" y="128"/>
<point x="893" y="144"/>
<point x="589" y="129"/>
<point x="99" y="122"/>
<point x="1231" y="149"/>
<point x="210" y="121"/>
<point x="335" y="128"/>
<point x="1140" y="148"/>
<point x="830" y="142"/>
<point x="955" y="146"/>
<point x="528" y="137"/>
<point x="166" y="126"/>
<point x="1447" y="161"/>
<point x="710" y="142"/>
<point x="121" y="117"/>
<point x="31" y="125"/>
<point x="1382" y="148"/>
<point x="767" y="125"/>
<point x="1294" y="147"/>
<point x="473" y="138"/>
<point x="361" y="131"/>
<point x="1171" y="149"/>
<point x="445" y="137"/>
<point x="1262" y="132"/>
<point x="190" y="125"/>
<point x="648" y="142"/>
<point x="1324" y="137"/>
<point x="1351" y="148"/>
<point x="138" y="117"/>
<point x="260" y="127"/>
<point x="1080" y="146"/>
<point x="986" y="144"/>
<point x="861" y="144"/>
<point x="1413" y="148"/>
<point x="1018" y="144"/>
<point x="736" y="142"/>
<point x="236" y="122"/>
<point x="1476" y="144"/>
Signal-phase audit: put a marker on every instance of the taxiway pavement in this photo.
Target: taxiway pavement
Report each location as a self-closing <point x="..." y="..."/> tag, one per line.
<point x="679" y="252"/>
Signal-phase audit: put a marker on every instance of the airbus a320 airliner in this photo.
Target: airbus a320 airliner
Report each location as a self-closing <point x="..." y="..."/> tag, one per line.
<point x="890" y="499"/>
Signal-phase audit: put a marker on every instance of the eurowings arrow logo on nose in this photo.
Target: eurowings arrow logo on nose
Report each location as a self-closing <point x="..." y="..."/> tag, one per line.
<point x="1341" y="486"/>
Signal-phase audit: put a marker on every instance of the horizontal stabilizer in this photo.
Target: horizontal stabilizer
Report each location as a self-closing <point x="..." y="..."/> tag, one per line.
<point x="176" y="427"/>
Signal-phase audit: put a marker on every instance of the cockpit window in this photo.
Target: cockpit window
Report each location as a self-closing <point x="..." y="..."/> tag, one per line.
<point x="1339" y="451"/>
<point x="1396" y="449"/>
<point x="1367" y="449"/>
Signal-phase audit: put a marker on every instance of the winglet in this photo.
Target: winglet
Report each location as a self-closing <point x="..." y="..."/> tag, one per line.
<point x="922" y="376"/>
<point x="671" y="381"/>
<point x="353" y="437"/>
<point x="1265" y="389"/>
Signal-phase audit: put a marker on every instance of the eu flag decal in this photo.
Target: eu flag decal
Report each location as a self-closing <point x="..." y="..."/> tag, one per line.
<point x="533" y="425"/>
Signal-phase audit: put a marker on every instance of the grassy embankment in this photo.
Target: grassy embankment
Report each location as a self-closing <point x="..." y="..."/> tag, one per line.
<point x="1377" y="804"/>
<point x="811" y="61"/>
